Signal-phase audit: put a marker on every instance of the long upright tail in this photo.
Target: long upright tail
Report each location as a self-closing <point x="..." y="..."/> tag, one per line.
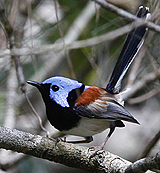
<point x="129" y="50"/>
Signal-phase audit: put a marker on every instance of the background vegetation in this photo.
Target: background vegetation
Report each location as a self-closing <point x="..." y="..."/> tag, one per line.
<point x="30" y="29"/>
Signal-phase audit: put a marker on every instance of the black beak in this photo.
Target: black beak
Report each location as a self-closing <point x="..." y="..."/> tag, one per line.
<point x="34" y="83"/>
<point x="43" y="88"/>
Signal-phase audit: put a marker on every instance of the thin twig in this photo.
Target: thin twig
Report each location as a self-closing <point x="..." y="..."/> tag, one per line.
<point x="75" y="44"/>
<point x="68" y="58"/>
<point x="125" y="14"/>
<point x="12" y="80"/>
<point x="6" y="26"/>
<point x="153" y="61"/>
<point x="150" y="77"/>
<point x="11" y="95"/>
<point x="36" y="114"/>
<point x="150" y="145"/>
<point x="144" y="96"/>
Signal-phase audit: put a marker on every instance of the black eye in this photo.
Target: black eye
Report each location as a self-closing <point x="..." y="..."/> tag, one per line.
<point x="55" y="88"/>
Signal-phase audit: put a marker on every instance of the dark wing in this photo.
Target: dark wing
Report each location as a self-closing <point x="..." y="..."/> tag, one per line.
<point x="105" y="107"/>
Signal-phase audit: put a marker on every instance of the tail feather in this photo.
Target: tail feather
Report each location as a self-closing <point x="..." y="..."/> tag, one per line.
<point x="129" y="50"/>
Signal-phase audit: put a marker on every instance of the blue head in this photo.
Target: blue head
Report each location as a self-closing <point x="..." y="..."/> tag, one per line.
<point x="59" y="89"/>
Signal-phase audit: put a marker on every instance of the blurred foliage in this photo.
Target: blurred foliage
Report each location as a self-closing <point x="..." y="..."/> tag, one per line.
<point x="91" y="65"/>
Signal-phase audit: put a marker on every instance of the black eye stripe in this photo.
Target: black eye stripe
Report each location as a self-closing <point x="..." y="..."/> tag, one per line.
<point x="55" y="88"/>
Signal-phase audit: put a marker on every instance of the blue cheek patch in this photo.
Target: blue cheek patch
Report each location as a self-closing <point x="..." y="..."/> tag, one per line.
<point x="59" y="97"/>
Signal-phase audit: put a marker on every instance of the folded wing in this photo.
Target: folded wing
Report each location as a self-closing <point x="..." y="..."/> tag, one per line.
<point x="105" y="107"/>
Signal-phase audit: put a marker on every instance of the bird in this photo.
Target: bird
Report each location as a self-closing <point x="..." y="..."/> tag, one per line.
<point x="85" y="110"/>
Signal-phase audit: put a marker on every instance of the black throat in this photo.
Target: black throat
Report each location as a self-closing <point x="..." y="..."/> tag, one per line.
<point x="62" y="118"/>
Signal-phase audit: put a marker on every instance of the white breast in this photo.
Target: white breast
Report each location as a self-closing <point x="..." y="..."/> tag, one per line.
<point x="89" y="127"/>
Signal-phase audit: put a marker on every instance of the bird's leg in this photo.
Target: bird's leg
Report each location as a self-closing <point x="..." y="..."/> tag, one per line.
<point x="88" y="139"/>
<point x="97" y="148"/>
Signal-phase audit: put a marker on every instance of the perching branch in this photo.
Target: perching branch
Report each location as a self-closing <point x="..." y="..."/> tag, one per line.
<point x="69" y="154"/>
<point x="65" y="153"/>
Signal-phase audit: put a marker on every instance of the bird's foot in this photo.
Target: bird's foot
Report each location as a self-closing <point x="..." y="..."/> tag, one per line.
<point x="95" y="150"/>
<point x="60" y="139"/>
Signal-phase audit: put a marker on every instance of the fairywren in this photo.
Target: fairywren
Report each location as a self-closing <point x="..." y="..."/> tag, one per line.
<point x="84" y="110"/>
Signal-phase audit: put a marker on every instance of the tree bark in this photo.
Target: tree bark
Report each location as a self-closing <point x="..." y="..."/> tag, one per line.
<point x="70" y="154"/>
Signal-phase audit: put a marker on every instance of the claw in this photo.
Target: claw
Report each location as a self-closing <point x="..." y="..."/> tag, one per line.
<point x="60" y="139"/>
<point x="96" y="149"/>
